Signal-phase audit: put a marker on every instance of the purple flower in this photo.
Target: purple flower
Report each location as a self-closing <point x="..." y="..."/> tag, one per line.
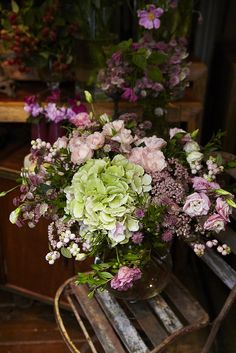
<point x="33" y="109"/>
<point x="201" y="184"/>
<point x="77" y="106"/>
<point x="139" y="213"/>
<point x="116" y="56"/>
<point x="54" y="97"/>
<point x="125" y="278"/>
<point x="137" y="237"/>
<point x="167" y="236"/>
<point x="55" y="114"/>
<point x="129" y="95"/>
<point x="150" y="18"/>
<point x="30" y="100"/>
<point x="173" y="3"/>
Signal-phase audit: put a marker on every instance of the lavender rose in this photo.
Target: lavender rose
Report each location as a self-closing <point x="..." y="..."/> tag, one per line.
<point x="215" y="223"/>
<point x="223" y="209"/>
<point x="197" y="204"/>
<point x="125" y="278"/>
<point x="201" y="184"/>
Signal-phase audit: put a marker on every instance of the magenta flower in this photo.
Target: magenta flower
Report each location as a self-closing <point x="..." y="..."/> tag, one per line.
<point x="137" y="237"/>
<point x="125" y="278"/>
<point x="150" y="18"/>
<point x="129" y="95"/>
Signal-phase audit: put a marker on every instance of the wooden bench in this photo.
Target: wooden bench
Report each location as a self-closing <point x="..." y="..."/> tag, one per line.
<point x="134" y="327"/>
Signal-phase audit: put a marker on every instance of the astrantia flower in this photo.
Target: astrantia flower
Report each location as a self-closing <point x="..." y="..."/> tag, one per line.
<point x="125" y="278"/>
<point x="150" y="18"/>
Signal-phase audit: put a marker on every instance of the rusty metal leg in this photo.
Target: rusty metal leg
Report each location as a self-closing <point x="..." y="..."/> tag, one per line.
<point x="60" y="323"/>
<point x="217" y="322"/>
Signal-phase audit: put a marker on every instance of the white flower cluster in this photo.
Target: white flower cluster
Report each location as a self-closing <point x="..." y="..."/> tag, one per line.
<point x="52" y="256"/>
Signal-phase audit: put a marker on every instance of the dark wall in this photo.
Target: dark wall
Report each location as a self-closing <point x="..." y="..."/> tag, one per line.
<point x="215" y="44"/>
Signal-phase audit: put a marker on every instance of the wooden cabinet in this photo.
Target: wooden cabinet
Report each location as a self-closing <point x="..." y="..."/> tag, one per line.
<point x="22" y="250"/>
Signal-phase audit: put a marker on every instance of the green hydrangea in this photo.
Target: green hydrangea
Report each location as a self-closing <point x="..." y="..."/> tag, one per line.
<point x="105" y="193"/>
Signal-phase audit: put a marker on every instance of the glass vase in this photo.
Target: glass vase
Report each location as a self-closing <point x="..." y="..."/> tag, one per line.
<point x="55" y="130"/>
<point x="39" y="130"/>
<point x="155" y="276"/>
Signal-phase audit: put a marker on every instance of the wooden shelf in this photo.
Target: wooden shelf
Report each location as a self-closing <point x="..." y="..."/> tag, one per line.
<point x="187" y="110"/>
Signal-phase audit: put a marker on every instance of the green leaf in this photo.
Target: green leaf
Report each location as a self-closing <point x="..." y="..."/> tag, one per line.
<point x="219" y="159"/>
<point x="105" y="275"/>
<point x="231" y="203"/>
<point x="139" y="59"/>
<point x="222" y="192"/>
<point x="231" y="164"/>
<point x="98" y="267"/>
<point x="66" y="253"/>
<point x="3" y="193"/>
<point x="155" y="74"/>
<point x="125" y="45"/>
<point x="157" y="58"/>
<point x="14" y="6"/>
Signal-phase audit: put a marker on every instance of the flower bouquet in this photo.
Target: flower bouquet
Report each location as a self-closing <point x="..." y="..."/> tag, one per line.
<point x="113" y="194"/>
<point x="50" y="117"/>
<point x="151" y="71"/>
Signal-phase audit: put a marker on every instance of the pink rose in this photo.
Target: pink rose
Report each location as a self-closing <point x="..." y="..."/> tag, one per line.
<point x="61" y="142"/>
<point x="223" y="209"/>
<point x="215" y="223"/>
<point x="197" y="204"/>
<point x="123" y="137"/>
<point x="110" y="129"/>
<point x="154" y="142"/>
<point x="80" y="151"/>
<point x="81" y="120"/>
<point x="201" y="184"/>
<point x="150" y="160"/>
<point x="95" y="140"/>
<point x="174" y="131"/>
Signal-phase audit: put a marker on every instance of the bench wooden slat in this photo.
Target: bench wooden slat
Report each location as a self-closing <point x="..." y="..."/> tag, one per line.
<point x="189" y="308"/>
<point x="147" y="321"/>
<point x="166" y="314"/>
<point x="126" y="331"/>
<point x="98" y="320"/>
<point x="218" y="265"/>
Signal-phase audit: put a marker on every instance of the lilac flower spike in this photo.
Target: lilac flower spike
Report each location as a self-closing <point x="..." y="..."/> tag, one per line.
<point x="150" y="18"/>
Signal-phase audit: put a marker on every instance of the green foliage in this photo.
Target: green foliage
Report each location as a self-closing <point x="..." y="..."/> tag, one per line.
<point x="97" y="278"/>
<point x="215" y="143"/>
<point x="153" y="217"/>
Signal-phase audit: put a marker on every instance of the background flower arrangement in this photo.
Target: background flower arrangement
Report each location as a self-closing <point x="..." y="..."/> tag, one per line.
<point x="42" y="35"/>
<point x="153" y="70"/>
<point x="110" y="192"/>
<point x="51" y="115"/>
